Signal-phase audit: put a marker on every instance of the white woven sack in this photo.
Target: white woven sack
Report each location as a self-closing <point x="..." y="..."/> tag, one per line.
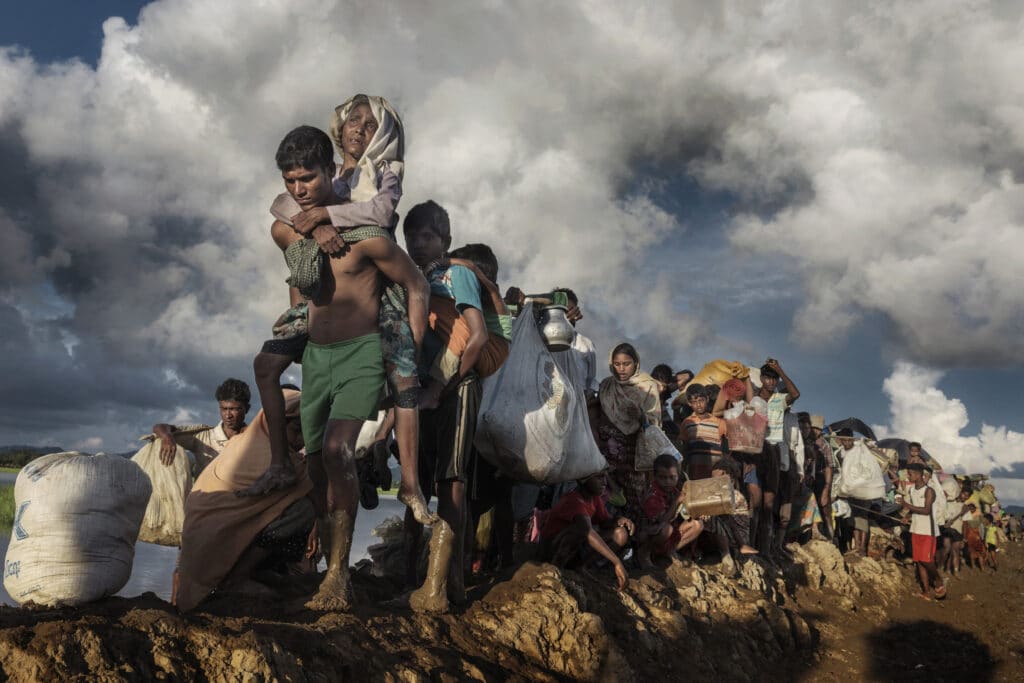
<point x="862" y="477"/>
<point x="76" y="520"/>
<point x="165" y="513"/>
<point x="533" y="423"/>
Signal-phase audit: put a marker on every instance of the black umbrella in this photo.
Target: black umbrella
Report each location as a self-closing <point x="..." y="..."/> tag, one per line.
<point x="902" y="447"/>
<point x="853" y="424"/>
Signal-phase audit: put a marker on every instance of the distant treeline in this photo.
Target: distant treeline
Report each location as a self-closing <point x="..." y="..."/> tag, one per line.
<point x="19" y="457"/>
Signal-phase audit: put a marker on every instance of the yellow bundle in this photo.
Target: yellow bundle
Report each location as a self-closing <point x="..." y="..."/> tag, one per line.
<point x="717" y="372"/>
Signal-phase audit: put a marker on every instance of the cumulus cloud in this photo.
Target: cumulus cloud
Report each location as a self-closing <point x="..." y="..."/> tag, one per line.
<point x="891" y="185"/>
<point x="920" y="411"/>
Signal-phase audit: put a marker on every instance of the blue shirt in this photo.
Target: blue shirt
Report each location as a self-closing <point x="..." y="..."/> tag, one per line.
<point x="457" y="283"/>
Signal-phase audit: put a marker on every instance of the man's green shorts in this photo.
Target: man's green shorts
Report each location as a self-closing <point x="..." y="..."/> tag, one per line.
<point x="340" y="381"/>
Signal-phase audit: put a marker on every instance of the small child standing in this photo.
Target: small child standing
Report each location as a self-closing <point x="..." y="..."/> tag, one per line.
<point x="703" y="434"/>
<point x="732" y="531"/>
<point x="664" y="533"/>
<point x="991" y="540"/>
<point x="922" y="530"/>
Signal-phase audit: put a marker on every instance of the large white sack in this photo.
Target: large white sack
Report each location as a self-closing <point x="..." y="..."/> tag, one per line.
<point x="862" y="477"/>
<point x="533" y="423"/>
<point x="171" y="483"/>
<point x="950" y="486"/>
<point x="76" y="520"/>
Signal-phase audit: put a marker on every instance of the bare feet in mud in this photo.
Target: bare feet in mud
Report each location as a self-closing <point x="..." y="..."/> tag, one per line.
<point x="418" y="505"/>
<point x="276" y="477"/>
<point x="335" y="594"/>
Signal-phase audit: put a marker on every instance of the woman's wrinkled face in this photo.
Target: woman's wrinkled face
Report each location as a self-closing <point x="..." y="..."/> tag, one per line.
<point x="357" y="131"/>
<point x="624" y="366"/>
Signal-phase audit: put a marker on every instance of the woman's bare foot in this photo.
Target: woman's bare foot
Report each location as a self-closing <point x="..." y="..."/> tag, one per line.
<point x="276" y="477"/>
<point x="415" y="501"/>
<point x="335" y="594"/>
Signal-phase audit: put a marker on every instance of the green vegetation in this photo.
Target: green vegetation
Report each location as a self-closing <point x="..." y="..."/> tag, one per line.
<point x="10" y="470"/>
<point x="18" y="459"/>
<point x="6" y="506"/>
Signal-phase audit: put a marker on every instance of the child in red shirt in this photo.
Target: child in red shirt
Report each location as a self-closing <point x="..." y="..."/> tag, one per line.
<point x="580" y="520"/>
<point x="664" y="533"/>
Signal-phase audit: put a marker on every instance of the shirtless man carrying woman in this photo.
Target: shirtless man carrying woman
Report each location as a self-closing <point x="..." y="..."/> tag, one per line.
<point x="343" y="371"/>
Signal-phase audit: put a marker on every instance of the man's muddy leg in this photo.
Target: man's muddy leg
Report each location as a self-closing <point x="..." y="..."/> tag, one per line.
<point x="754" y="491"/>
<point x="413" y="543"/>
<point x="337" y="525"/>
<point x="432" y="596"/>
<point x="268" y="368"/>
<point x="407" y="429"/>
<point x="444" y="567"/>
<point x="767" y="523"/>
<point x="451" y="506"/>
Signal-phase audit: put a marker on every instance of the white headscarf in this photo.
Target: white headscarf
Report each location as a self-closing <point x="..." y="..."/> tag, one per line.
<point x="387" y="146"/>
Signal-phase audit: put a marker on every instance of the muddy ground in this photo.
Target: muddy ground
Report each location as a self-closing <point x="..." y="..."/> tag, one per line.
<point x="820" y="618"/>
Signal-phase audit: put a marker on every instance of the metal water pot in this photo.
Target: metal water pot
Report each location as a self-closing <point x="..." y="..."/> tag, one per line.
<point x="555" y="328"/>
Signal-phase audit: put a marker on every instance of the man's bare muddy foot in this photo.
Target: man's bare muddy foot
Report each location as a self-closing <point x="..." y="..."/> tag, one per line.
<point x="334" y="595"/>
<point x="276" y="477"/>
<point x="418" y="505"/>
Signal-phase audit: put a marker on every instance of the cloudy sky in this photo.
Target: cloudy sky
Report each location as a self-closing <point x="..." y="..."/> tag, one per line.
<point x="837" y="185"/>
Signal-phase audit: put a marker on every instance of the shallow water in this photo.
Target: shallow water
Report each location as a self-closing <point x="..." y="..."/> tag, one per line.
<point x="154" y="564"/>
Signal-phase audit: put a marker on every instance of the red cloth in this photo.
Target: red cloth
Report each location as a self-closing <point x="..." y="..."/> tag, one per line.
<point x="571" y="506"/>
<point x="657" y="501"/>
<point x="923" y="546"/>
<point x="734" y="389"/>
<point x="654" y="505"/>
<point x="973" y="538"/>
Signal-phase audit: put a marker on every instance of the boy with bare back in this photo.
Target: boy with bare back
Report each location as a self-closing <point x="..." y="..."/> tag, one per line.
<point x="343" y="370"/>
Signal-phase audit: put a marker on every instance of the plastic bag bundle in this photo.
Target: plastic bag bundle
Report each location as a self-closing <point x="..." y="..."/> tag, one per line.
<point x="533" y="423"/>
<point x="862" y="477"/>
<point x="165" y="512"/>
<point x="651" y="443"/>
<point x="746" y="425"/>
<point x="76" y="520"/>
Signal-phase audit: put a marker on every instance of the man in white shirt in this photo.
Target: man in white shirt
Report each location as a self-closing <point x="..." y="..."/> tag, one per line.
<point x="203" y="442"/>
